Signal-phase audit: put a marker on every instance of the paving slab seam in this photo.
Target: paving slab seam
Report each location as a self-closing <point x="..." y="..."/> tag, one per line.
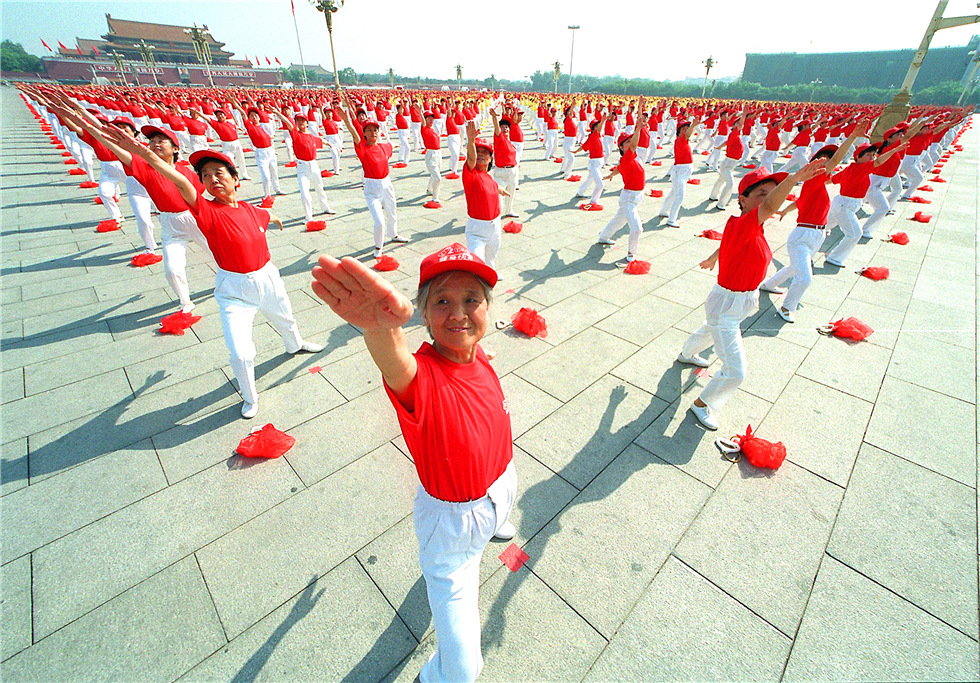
<point x="214" y="605"/>
<point x="385" y="597"/>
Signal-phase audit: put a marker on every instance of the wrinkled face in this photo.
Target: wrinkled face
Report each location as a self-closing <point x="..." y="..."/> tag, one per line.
<point x="483" y="158"/>
<point x="754" y="198"/>
<point x="371" y="134"/>
<point x="219" y="181"/>
<point x="456" y="312"/>
<point x="162" y="147"/>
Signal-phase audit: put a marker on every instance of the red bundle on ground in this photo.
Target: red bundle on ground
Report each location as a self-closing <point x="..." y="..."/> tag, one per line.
<point x="59" y="145"/>
<point x="326" y="174"/>
<point x="759" y="452"/>
<point x="432" y="204"/>
<point x="851" y="328"/>
<point x="656" y="193"/>
<point x="76" y="171"/>
<point x="899" y="238"/>
<point x="400" y="164"/>
<point x="558" y="160"/>
<point x="108" y="225"/>
<point x="176" y="323"/>
<point x="145" y="259"/>
<point x="748" y="165"/>
<point x="267" y="442"/>
<point x="385" y="263"/>
<point x="926" y="188"/>
<point x="530" y="322"/>
<point x="936" y="179"/>
<point x="704" y="153"/>
<point x="590" y="207"/>
<point x="452" y="176"/>
<point x="88" y="184"/>
<point x="657" y="163"/>
<point x="68" y="154"/>
<point x="920" y="200"/>
<point x="316" y="226"/>
<point x="97" y="200"/>
<point x="694" y="181"/>
<point x="513" y="227"/>
<point x="921" y="217"/>
<point x="711" y="234"/>
<point x="637" y="267"/>
<point x="574" y="178"/>
<point x="267" y="202"/>
<point x="875" y="272"/>
<point x="68" y="162"/>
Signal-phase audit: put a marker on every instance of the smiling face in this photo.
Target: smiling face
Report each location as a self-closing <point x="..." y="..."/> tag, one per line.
<point x="220" y="181"/>
<point x="162" y="146"/>
<point x="302" y="125"/>
<point x="370" y="134"/>
<point x="456" y="315"/>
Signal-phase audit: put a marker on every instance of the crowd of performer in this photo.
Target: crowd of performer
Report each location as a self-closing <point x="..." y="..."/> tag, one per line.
<point x="446" y="395"/>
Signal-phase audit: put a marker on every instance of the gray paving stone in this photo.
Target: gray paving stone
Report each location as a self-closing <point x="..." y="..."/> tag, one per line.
<point x="15" y="608"/>
<point x="13" y="466"/>
<point x="855" y="630"/>
<point x="927" y="428"/>
<point x="914" y="532"/>
<point x="573" y="315"/>
<point x="673" y="634"/>
<point x="90" y="566"/>
<point x="153" y="632"/>
<point x="886" y="322"/>
<point x="338" y="627"/>
<point x="890" y="293"/>
<point x="771" y="365"/>
<point x="644" y="320"/>
<point x="944" y="292"/>
<point x="690" y="288"/>
<point x="527" y="404"/>
<point x="20" y="351"/>
<point x="305" y="537"/>
<point x="12" y="385"/>
<point x="946" y="323"/>
<point x="579" y="439"/>
<point x="925" y="360"/>
<point x="802" y="332"/>
<point x="855" y="369"/>
<point x="821" y="427"/>
<point x="45" y="511"/>
<point x="643" y="368"/>
<point x="625" y="290"/>
<point x="600" y="553"/>
<point x="514" y="349"/>
<point x="353" y="376"/>
<point x="572" y="366"/>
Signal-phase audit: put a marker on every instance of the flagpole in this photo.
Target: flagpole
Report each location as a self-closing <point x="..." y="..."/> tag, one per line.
<point x="298" y="44"/>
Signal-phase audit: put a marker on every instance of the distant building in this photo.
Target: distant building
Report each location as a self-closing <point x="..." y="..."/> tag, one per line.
<point x="880" y="69"/>
<point x="173" y="52"/>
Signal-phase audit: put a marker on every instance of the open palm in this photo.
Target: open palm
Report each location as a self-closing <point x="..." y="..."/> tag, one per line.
<point x="359" y="296"/>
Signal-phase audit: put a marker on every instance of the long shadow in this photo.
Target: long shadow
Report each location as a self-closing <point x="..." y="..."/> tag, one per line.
<point x="75" y="259"/>
<point x="303" y="606"/>
<point x="556" y="268"/>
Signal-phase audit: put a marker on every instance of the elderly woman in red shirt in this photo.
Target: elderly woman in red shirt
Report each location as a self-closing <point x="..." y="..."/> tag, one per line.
<point x="455" y="421"/>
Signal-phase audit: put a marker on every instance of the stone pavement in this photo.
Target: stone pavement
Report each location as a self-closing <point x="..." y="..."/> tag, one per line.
<point x="137" y="546"/>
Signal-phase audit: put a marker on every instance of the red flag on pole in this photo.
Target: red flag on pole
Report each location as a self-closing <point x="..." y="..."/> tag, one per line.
<point x="95" y="50"/>
<point x="62" y="46"/>
<point x="46" y="45"/>
<point x="268" y="62"/>
<point x="79" y="48"/>
<point x="293" y="7"/>
<point x="277" y="61"/>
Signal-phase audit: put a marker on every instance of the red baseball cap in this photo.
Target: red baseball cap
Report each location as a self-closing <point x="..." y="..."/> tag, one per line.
<point x="427" y="113"/>
<point x="455" y="257"/>
<point x="757" y="176"/>
<point x="204" y="154"/>
<point x="371" y="122"/>
<point x="480" y="142"/>
<point x="623" y="138"/>
<point x="125" y="120"/>
<point x="150" y="131"/>
<point x="301" y="116"/>
<point x="832" y="149"/>
<point x="865" y="148"/>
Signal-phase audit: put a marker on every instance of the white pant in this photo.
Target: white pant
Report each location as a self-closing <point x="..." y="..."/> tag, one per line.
<point x="767" y="159"/>
<point x="433" y="163"/>
<point x="628" y="214"/>
<point x="336" y="141"/>
<point x="722" y="190"/>
<point x="177" y="231"/>
<point x="308" y="175"/>
<point x="878" y="202"/>
<point x="139" y="202"/>
<point x="483" y="238"/>
<point x="595" y="176"/>
<point x="843" y="212"/>
<point x="453" y="143"/>
<point x="802" y="246"/>
<point x="746" y="148"/>
<point x="403" y="146"/>
<point x="452" y="537"/>
<point x="240" y="296"/>
<point x="82" y="153"/>
<point x="724" y="310"/>
<point x="109" y="178"/>
<point x="568" y="159"/>
<point x="910" y="169"/>
<point x="380" y="196"/>
<point x="797" y="161"/>
<point x="233" y="150"/>
<point x="607" y="146"/>
<point x="506" y="179"/>
<point x="717" y="145"/>
<point x="287" y="141"/>
<point x="672" y="204"/>
<point x="416" y="127"/>
<point x="198" y="143"/>
<point x="265" y="159"/>
<point x="550" y="143"/>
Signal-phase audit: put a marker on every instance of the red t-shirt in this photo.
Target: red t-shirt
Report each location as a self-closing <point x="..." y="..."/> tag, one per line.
<point x="632" y="171"/>
<point x="644" y="140"/>
<point x="480" y="190"/>
<point x="174" y="121"/>
<point x="733" y="145"/>
<point x="802" y="138"/>
<point x="571" y="128"/>
<point x="225" y="129"/>
<point x="744" y="254"/>
<point x="890" y="167"/>
<point x="102" y="152"/>
<point x="452" y="128"/>
<point x="593" y="145"/>
<point x="855" y="179"/>
<point x="235" y="234"/>
<point x="459" y="433"/>
<point x="814" y="202"/>
<point x="430" y="138"/>
<point x="773" y="143"/>
<point x="260" y="139"/>
<point x="330" y="126"/>
<point x="374" y="158"/>
<point x="163" y="192"/>
<point x="305" y="145"/>
<point x="682" y="151"/>
<point x="504" y="153"/>
<point x="401" y="123"/>
<point x="516" y="134"/>
<point x="195" y="126"/>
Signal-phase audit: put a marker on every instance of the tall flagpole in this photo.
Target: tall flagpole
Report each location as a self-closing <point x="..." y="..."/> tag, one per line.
<point x="296" y="26"/>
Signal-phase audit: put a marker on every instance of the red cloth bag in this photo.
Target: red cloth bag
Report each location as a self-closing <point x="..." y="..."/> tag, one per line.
<point x="513" y="227"/>
<point x="637" y="267"/>
<point x="316" y="226"/>
<point x="875" y="272"/>
<point x="143" y="260"/>
<point x="922" y="217"/>
<point x="851" y="328"/>
<point x="176" y="323"/>
<point x="530" y="322"/>
<point x="899" y="238"/>
<point x="760" y="452"/>
<point x="267" y="442"/>
<point x="385" y="262"/>
<point x="711" y="234"/>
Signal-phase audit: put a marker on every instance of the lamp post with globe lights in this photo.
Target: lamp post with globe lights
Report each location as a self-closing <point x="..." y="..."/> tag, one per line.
<point x="329" y="7"/>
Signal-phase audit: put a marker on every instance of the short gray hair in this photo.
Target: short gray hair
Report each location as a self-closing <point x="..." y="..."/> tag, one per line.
<point x="422" y="295"/>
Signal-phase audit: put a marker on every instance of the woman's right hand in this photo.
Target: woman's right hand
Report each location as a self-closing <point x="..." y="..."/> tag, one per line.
<point x="360" y="296"/>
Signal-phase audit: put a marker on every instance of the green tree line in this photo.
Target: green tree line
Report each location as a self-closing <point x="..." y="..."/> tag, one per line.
<point x="13" y="57"/>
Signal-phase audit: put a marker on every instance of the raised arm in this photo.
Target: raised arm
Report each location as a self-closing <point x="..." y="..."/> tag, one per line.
<point x="778" y="195"/>
<point x="285" y="119"/>
<point x="355" y="135"/>
<point x="125" y="141"/>
<point x="496" y="124"/>
<point x="882" y="158"/>
<point x="859" y="131"/>
<point x="471" y="145"/>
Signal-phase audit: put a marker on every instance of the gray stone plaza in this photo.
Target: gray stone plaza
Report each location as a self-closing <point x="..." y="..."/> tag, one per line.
<point x="137" y="546"/>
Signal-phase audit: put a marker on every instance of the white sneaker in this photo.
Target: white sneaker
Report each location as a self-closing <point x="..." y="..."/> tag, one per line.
<point x="785" y="315"/>
<point x="505" y="532"/>
<point x="399" y="239"/>
<point x="705" y="417"/>
<point x="834" y="263"/>
<point x="605" y="243"/>
<point x="771" y="289"/>
<point x="188" y="308"/>
<point x="309" y="347"/>
<point x="700" y="361"/>
<point x="249" y="410"/>
<point x="377" y="252"/>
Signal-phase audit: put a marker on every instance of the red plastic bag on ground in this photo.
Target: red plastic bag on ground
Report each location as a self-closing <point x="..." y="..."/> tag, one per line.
<point x="88" y="184"/>
<point x="144" y="259"/>
<point x="926" y="188"/>
<point x="530" y="322"/>
<point x="922" y="217"/>
<point x="657" y="163"/>
<point x="400" y="164"/>
<point x="267" y="442"/>
<point x="851" y="328"/>
<point x="70" y="162"/>
<point x="267" y="202"/>
<point x="176" y="323"/>
<point x="109" y="225"/>
<point x="574" y="178"/>
<point x="590" y="207"/>
<point x="76" y="171"/>
<point x="694" y="181"/>
<point x="385" y="262"/>
<point x="920" y="200"/>
<point x="656" y="193"/>
<point x="875" y="272"/>
<point x="513" y="227"/>
<point x="936" y="179"/>
<point x="759" y="452"/>
<point x="637" y="267"/>
<point x="711" y="234"/>
<point x="748" y="165"/>
<point x="899" y="238"/>
<point x="326" y="174"/>
<point x="316" y="226"/>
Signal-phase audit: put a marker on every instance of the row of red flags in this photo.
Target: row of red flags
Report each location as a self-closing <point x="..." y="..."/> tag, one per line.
<point x="258" y="60"/>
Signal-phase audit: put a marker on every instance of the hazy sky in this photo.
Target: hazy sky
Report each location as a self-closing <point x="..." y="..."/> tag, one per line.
<point x="636" y="38"/>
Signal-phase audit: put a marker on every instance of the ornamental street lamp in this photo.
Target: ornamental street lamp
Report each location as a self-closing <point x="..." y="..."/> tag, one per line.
<point x="118" y="59"/>
<point x="708" y="63"/>
<point x="391" y="77"/>
<point x="571" y="59"/>
<point x="459" y="77"/>
<point x="199" y="37"/>
<point x="328" y="7"/>
<point x="146" y="51"/>
<point x="557" y="74"/>
<point x="970" y="75"/>
<point x="815" y="82"/>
